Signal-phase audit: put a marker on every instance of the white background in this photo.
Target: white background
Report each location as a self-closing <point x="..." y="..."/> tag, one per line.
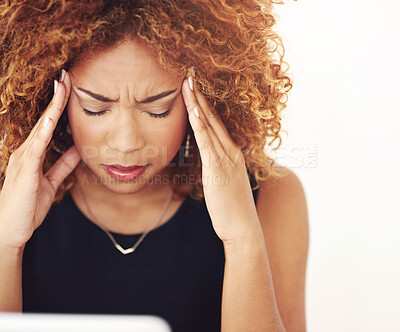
<point x="343" y="142"/>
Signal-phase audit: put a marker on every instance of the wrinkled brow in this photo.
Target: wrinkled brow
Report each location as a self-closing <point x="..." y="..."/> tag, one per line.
<point x="109" y="100"/>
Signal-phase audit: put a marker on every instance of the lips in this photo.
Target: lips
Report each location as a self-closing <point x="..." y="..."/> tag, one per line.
<point x="125" y="168"/>
<point x="124" y="173"/>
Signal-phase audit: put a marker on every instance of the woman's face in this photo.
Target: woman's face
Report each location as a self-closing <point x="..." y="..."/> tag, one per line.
<point x="128" y="92"/>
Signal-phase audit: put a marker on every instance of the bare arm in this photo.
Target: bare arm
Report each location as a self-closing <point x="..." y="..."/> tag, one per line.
<point x="11" y="279"/>
<point x="249" y="295"/>
<point x="282" y="209"/>
<point x="248" y="298"/>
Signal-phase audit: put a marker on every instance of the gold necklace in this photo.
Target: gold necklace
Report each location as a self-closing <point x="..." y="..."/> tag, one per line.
<point x="133" y="248"/>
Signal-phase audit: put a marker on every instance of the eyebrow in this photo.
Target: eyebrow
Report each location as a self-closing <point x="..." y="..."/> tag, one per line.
<point x="145" y="101"/>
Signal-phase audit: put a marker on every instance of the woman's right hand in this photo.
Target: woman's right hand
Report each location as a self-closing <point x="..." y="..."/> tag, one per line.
<point x="27" y="193"/>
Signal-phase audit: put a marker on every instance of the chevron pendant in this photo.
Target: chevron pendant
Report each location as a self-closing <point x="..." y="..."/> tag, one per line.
<point x="124" y="251"/>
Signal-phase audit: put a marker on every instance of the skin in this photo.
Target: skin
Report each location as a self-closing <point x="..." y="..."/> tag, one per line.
<point x="126" y="134"/>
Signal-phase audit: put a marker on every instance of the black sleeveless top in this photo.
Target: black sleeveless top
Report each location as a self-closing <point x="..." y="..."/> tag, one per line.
<point x="70" y="265"/>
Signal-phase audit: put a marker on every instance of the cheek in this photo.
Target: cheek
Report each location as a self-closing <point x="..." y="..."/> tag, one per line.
<point x="176" y="129"/>
<point x="165" y="136"/>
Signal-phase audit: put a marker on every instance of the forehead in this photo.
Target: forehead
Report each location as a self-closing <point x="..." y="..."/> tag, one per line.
<point x="129" y="65"/>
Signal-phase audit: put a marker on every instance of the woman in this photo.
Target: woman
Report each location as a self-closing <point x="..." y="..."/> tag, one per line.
<point x="153" y="130"/>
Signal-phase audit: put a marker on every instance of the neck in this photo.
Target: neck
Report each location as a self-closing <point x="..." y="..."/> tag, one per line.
<point x="139" y="195"/>
<point x="126" y="212"/>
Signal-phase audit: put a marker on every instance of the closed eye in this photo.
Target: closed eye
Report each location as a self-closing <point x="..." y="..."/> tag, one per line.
<point x="154" y="115"/>
<point x="90" y="113"/>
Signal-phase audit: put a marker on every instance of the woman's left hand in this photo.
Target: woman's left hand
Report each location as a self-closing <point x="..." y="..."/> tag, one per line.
<point x="226" y="185"/>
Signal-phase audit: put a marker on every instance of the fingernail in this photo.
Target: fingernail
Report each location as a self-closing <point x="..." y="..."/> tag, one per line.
<point x="55" y="86"/>
<point x="46" y="121"/>
<point x="196" y="112"/>
<point x="62" y="75"/>
<point x="193" y="71"/>
<point x="191" y="83"/>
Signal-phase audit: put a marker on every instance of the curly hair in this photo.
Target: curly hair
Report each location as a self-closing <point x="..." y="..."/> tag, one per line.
<point x="238" y="61"/>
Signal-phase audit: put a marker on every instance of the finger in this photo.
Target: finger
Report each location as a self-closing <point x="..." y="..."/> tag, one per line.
<point x="212" y="115"/>
<point x="60" y="100"/>
<point x="209" y="112"/>
<point x="37" y="143"/>
<point x="54" y="109"/>
<point x="68" y="85"/>
<point x="63" y="167"/>
<point x="214" y="120"/>
<point x="210" y="148"/>
<point x="56" y="102"/>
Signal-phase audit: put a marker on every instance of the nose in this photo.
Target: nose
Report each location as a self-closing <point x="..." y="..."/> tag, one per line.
<point x="125" y="135"/>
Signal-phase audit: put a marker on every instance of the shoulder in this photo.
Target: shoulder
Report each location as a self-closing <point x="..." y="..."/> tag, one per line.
<point x="283" y="196"/>
<point x="282" y="211"/>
